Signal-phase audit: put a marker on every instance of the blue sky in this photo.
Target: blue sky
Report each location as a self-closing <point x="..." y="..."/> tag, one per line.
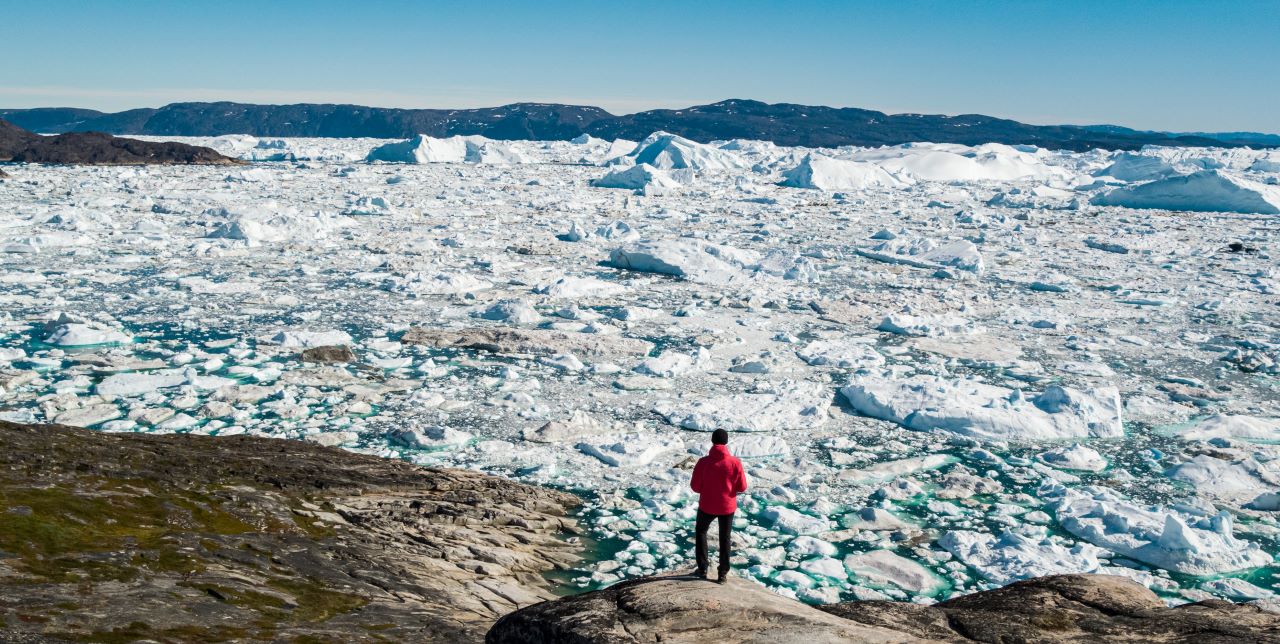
<point x="1174" y="64"/>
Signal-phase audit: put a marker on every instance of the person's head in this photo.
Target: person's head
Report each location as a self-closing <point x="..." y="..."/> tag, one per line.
<point x="719" y="437"/>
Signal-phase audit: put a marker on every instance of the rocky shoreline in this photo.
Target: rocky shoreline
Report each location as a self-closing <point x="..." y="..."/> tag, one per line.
<point x="95" y="148"/>
<point x="176" y="538"/>
<point x="1062" y="608"/>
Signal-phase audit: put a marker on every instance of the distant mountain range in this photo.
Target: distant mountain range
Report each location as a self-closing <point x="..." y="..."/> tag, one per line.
<point x="782" y="123"/>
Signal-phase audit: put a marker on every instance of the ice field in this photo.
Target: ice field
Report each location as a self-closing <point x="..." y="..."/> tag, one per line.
<point x="945" y="368"/>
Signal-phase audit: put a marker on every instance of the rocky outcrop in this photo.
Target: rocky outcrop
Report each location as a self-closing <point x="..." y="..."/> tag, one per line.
<point x="336" y="353"/>
<point x="95" y="148"/>
<point x="1065" y="608"/>
<point x="124" y="537"/>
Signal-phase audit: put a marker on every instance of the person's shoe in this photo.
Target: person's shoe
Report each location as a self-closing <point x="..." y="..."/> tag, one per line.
<point x="724" y="576"/>
<point x="701" y="573"/>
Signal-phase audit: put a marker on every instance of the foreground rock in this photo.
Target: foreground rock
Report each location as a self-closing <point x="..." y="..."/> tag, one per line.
<point x="95" y="148"/>
<point x="1065" y="608"/>
<point x="114" y="537"/>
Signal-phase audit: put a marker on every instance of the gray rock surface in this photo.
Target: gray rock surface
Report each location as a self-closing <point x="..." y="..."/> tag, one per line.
<point x="336" y="353"/>
<point x="1065" y="608"/>
<point x="178" y="538"/>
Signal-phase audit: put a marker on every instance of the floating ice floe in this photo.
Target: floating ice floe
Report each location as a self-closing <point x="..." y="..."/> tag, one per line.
<point x="630" y="450"/>
<point x="759" y="446"/>
<point x="1204" y="191"/>
<point x="886" y="569"/>
<point x="580" y="424"/>
<point x="307" y="339"/>
<point x="969" y="408"/>
<point x="843" y="354"/>
<point x="1013" y="556"/>
<point x="580" y="287"/>
<point x="1250" y="428"/>
<point x="787" y="405"/>
<point x="922" y="252"/>
<point x="442" y="283"/>
<point x="70" y="331"/>
<point x="1192" y="544"/>
<point x="643" y="178"/>
<point x="691" y="259"/>
<point x="1075" y="457"/>
<point x="1246" y="481"/>
<point x="789" y="521"/>
<point x="279" y="228"/>
<point x="818" y="172"/>
<point x="931" y="326"/>
<point x="430" y="438"/>
<point x="888" y="470"/>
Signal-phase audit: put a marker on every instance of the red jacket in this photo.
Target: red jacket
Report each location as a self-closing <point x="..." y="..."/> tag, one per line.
<point x="718" y="479"/>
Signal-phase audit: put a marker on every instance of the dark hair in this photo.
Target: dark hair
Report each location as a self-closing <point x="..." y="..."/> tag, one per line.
<point x="719" y="437"/>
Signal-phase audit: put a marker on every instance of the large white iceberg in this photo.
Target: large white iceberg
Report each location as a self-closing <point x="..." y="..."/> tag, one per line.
<point x="1204" y="191"/>
<point x="979" y="410"/>
<point x="671" y="152"/>
<point x="1128" y="166"/>
<point x="454" y="149"/>
<point x="820" y="172"/>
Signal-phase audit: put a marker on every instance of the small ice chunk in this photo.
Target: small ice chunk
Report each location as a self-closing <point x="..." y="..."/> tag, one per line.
<point x="1075" y="457"/>
<point x="884" y="568"/>
<point x="790" y="521"/>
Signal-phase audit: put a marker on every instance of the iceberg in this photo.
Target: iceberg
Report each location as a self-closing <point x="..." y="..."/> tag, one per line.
<point x="1204" y="191"/>
<point x="1169" y="539"/>
<point x="1011" y="556"/>
<point x="691" y="259"/>
<point x="667" y="151"/>
<point x="643" y="178"/>
<point x="978" y="410"/>
<point x="818" y="172"/>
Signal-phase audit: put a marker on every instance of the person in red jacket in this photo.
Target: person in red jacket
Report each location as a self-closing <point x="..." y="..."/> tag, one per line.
<point x="718" y="479"/>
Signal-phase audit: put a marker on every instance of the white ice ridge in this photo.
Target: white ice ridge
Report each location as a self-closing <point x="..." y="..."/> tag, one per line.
<point x="786" y="405"/>
<point x="454" y="149"/>
<point x="983" y="411"/>
<point x="1204" y="191"/>
<point x="821" y="172"/>
<point x="671" y="152"/>
<point x="643" y="178"/>
<point x="1176" y="540"/>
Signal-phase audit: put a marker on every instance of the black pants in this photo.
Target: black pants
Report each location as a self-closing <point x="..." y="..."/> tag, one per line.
<point x="700" y="540"/>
